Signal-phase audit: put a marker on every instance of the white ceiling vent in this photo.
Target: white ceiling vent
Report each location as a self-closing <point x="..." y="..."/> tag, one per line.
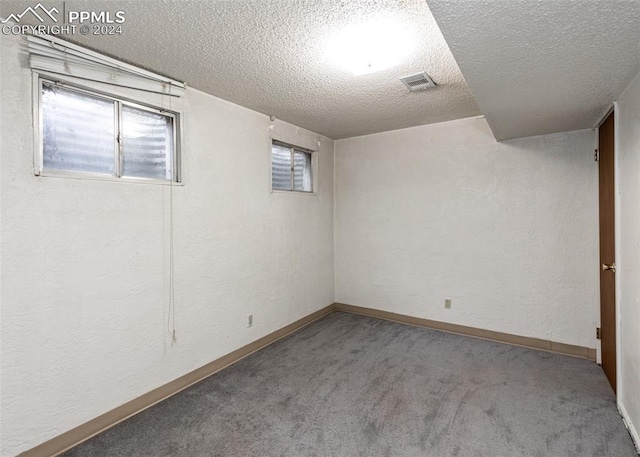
<point x="420" y="81"/>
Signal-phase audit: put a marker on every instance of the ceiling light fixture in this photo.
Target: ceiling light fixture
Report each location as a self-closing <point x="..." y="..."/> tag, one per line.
<point x="370" y="46"/>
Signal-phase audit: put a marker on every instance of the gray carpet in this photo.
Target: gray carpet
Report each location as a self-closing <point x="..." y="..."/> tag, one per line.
<point x="356" y="386"/>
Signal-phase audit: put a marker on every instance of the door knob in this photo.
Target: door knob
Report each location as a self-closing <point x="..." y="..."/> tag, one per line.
<point x="611" y="267"/>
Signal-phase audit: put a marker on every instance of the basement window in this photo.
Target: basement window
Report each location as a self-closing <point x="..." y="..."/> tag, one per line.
<point x="86" y="134"/>
<point x="291" y="168"/>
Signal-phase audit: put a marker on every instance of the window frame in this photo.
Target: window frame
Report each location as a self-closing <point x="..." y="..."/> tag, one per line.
<point x="42" y="79"/>
<point x="314" y="168"/>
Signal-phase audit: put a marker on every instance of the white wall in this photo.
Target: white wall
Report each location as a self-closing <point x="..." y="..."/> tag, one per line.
<point x="628" y="147"/>
<point x="85" y="263"/>
<point x="507" y="230"/>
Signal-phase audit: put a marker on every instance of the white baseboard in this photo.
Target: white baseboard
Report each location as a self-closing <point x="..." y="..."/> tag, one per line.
<point x="632" y="430"/>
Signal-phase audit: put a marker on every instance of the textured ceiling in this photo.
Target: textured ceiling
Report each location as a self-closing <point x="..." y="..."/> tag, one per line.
<point x="269" y="55"/>
<point x="539" y="67"/>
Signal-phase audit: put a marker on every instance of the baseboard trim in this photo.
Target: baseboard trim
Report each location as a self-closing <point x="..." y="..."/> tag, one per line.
<point x="77" y="435"/>
<point x="533" y="343"/>
<point x="627" y="423"/>
<point x="83" y="432"/>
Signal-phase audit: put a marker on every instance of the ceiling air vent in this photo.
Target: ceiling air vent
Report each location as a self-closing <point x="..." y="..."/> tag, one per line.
<point x="420" y="81"/>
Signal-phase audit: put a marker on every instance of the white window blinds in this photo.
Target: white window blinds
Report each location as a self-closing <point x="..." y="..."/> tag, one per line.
<point x="53" y="55"/>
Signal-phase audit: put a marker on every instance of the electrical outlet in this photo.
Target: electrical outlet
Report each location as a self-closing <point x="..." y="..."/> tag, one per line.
<point x="447" y="303"/>
<point x="249" y="320"/>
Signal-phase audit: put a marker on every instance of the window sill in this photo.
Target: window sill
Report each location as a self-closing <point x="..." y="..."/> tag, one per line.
<point x="294" y="192"/>
<point x="109" y="178"/>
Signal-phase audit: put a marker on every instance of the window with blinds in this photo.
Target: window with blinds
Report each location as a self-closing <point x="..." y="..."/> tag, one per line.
<point x="86" y="133"/>
<point x="291" y="167"/>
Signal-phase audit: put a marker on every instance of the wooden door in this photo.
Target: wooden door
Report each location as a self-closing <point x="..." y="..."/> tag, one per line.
<point x="607" y="248"/>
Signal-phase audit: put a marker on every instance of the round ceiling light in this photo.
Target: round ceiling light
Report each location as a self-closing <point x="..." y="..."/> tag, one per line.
<point x="370" y="46"/>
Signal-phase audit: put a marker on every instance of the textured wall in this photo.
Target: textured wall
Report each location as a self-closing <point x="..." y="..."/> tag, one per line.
<point x="507" y="230"/>
<point x="85" y="263"/>
<point x="629" y="252"/>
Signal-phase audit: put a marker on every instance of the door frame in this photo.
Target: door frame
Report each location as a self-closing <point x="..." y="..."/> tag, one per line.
<point x="616" y="199"/>
<point x="617" y="254"/>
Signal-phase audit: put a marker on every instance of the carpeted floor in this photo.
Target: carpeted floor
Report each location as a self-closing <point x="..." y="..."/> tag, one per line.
<point x="350" y="385"/>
